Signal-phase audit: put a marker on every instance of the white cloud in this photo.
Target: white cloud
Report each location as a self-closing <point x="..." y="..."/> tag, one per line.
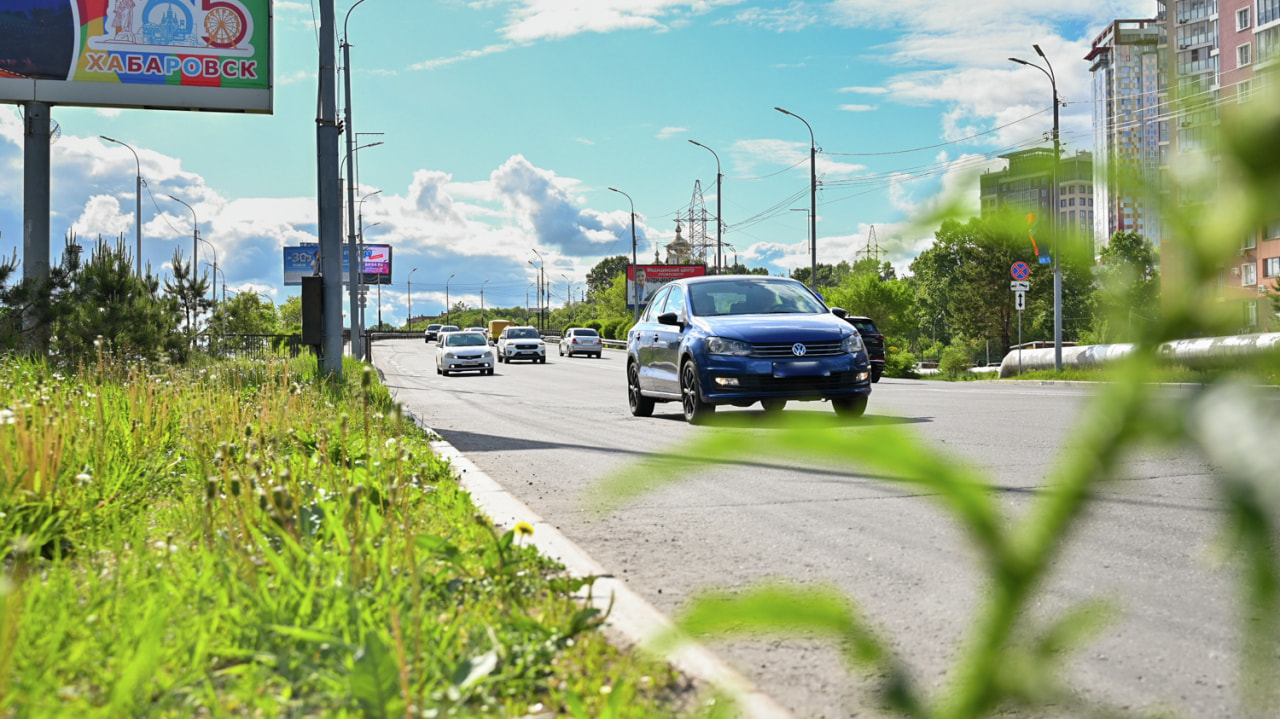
<point x="782" y="152"/>
<point x="794" y="17"/>
<point x="859" y="108"/>
<point x="865" y="90"/>
<point x="669" y="132"/>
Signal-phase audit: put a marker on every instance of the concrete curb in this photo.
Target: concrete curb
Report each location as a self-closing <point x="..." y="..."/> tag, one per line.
<point x="631" y="616"/>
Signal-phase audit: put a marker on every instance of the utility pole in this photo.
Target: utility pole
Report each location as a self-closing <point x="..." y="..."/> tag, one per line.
<point x="329" y="198"/>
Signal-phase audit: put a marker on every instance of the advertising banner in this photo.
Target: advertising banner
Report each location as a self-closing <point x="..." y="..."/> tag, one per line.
<point x="168" y="54"/>
<point x="377" y="265"/>
<point x="304" y="260"/>
<point x="651" y="278"/>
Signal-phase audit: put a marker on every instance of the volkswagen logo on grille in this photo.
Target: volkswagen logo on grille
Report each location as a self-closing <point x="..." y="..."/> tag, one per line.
<point x="798" y="349"/>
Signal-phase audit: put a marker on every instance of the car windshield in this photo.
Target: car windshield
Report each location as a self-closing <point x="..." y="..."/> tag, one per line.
<point x="433" y="327"/>
<point x="449" y="328"/>
<point x="524" y="333"/>
<point x="752" y="297"/>
<point x="584" y="333"/>
<point x="463" y="339"/>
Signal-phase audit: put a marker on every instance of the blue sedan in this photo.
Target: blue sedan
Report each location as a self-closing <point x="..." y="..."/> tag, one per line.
<point x="742" y="339"/>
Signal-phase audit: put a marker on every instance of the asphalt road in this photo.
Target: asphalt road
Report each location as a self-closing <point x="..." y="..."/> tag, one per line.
<point x="1149" y="544"/>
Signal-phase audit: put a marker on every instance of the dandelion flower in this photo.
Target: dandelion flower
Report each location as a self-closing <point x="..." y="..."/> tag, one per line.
<point x="524" y="529"/>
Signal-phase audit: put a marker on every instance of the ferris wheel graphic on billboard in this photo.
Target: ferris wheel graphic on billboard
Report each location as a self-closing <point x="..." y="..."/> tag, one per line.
<point x="213" y="26"/>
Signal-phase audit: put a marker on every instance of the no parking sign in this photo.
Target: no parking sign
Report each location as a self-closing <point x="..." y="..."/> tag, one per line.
<point x="1020" y="270"/>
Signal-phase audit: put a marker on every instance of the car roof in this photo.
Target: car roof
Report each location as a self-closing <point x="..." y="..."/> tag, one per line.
<point x="734" y="278"/>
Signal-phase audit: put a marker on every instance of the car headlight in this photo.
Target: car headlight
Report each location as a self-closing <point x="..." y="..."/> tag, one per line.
<point x="852" y="343"/>
<point x="724" y="346"/>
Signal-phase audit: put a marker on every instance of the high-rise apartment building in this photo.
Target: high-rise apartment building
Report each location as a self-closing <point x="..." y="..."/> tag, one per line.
<point x="1130" y="135"/>
<point x="1160" y="87"/>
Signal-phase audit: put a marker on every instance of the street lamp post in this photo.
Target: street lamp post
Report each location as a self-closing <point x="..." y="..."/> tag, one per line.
<point x="542" y="286"/>
<point x="636" y="294"/>
<point x="137" y="200"/>
<point x="355" y="261"/>
<point x="408" y="322"/>
<point x="1053" y="209"/>
<point x="482" y="303"/>
<point x="813" y="201"/>
<point x="568" y="296"/>
<point x="195" y="233"/>
<point x="719" y="224"/>
<point x="446" y="301"/>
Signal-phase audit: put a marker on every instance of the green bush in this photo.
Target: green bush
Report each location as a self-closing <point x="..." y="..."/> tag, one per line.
<point x="898" y="362"/>
<point x="955" y="362"/>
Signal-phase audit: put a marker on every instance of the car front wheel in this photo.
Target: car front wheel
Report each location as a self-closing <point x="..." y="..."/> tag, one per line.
<point x="640" y="405"/>
<point x="695" y="410"/>
<point x="850" y="407"/>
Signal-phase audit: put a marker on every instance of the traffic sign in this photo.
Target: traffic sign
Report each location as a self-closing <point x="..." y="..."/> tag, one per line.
<point x="1020" y="270"/>
<point x="1020" y="285"/>
<point x="1019" y="301"/>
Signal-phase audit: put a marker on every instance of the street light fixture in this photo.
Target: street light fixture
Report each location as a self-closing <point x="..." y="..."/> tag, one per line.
<point x="636" y="298"/>
<point x="482" y="302"/>
<point x="1053" y="208"/>
<point x="137" y="200"/>
<point x="408" y="322"/>
<point x="719" y="224"/>
<point x="813" y="201"/>
<point x="446" y="301"/>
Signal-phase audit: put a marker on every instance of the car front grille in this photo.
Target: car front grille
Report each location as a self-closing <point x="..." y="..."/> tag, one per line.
<point x="800" y="385"/>
<point x="778" y="350"/>
<point x="526" y="347"/>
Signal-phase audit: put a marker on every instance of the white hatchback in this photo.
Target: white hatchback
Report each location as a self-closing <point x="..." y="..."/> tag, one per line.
<point x="581" y="340"/>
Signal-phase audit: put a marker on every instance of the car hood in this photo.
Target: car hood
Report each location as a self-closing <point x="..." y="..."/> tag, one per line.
<point x="775" y="328"/>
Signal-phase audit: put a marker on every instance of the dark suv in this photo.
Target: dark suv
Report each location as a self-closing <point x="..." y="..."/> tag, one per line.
<point x="874" y="341"/>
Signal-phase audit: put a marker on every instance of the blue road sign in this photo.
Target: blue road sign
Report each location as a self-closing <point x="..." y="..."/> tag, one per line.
<point x="1020" y="270"/>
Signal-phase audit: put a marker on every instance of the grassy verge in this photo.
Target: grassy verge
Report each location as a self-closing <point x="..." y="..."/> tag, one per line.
<point x="242" y="540"/>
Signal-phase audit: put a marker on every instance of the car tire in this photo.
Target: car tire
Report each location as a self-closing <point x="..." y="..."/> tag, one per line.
<point x="875" y="374"/>
<point x="562" y="352"/>
<point x="640" y="405"/>
<point x="695" y="410"/>
<point x="439" y="371"/>
<point x="850" y="407"/>
<point x="444" y="372"/>
<point x="773" y="406"/>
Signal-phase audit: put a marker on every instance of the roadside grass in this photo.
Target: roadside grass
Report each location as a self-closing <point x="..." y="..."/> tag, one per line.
<point x="241" y="539"/>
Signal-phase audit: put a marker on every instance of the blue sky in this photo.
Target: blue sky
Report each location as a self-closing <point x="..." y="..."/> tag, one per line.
<point x="505" y="121"/>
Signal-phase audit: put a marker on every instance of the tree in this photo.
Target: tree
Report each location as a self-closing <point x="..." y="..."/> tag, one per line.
<point x="189" y="291"/>
<point x="1127" y="296"/>
<point x="601" y="277"/>
<point x="246" y="313"/>
<point x="107" y="301"/>
<point x="291" y="315"/>
<point x="892" y="304"/>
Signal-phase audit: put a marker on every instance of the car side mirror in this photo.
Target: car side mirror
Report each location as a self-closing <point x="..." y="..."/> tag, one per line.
<point x="669" y="318"/>
<point x="839" y="312"/>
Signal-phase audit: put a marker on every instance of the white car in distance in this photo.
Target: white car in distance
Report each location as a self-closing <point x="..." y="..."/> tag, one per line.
<point x="581" y="341"/>
<point x="463" y="351"/>
<point x="521" y="343"/>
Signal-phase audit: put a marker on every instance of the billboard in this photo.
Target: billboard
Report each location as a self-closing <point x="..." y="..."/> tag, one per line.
<point x="304" y="261"/>
<point x="168" y="54"/>
<point x="651" y="278"/>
